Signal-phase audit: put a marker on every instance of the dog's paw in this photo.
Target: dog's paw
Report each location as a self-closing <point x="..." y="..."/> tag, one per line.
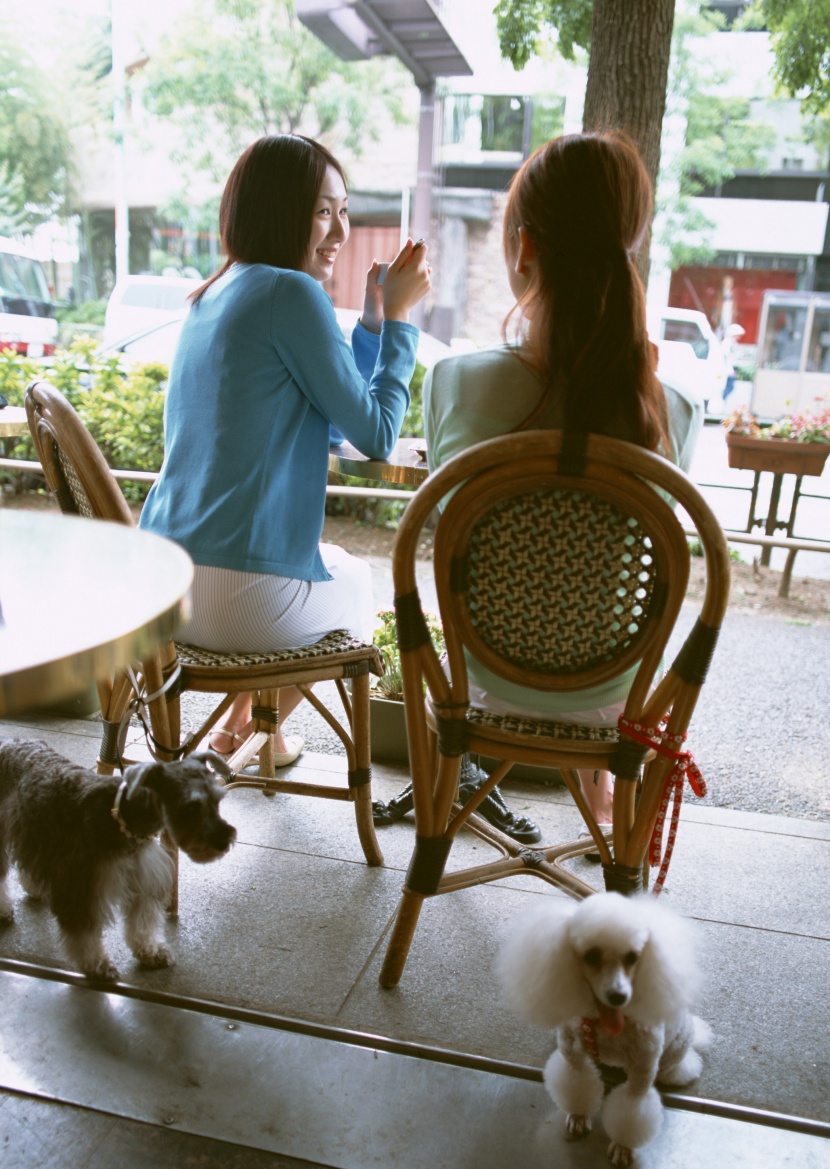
<point x="620" y="1156"/>
<point x="103" y="971"/>
<point x="154" y="956"/>
<point x="577" y="1126"/>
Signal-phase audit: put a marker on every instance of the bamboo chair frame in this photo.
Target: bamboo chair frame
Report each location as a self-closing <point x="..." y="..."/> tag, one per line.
<point x="619" y="479"/>
<point x="78" y="476"/>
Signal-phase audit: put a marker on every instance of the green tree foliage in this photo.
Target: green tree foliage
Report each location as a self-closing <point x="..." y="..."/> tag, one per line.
<point x="721" y="137"/>
<point x="34" y="150"/>
<point x="233" y="70"/>
<point x="801" y="42"/>
<point x="521" y="26"/>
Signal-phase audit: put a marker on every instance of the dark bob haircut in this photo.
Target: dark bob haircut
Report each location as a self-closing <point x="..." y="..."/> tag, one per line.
<point x="268" y="202"/>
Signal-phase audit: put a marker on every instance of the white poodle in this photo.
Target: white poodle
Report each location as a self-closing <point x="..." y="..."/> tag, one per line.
<point x="615" y="976"/>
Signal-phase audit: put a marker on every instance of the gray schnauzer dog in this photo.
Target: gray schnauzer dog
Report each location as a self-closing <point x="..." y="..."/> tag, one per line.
<point x="87" y="843"/>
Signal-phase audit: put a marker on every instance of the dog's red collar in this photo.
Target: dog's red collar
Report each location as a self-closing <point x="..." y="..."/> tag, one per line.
<point x="115" y="812"/>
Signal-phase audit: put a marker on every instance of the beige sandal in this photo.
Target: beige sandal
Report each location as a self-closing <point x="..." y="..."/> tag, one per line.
<point x="235" y="741"/>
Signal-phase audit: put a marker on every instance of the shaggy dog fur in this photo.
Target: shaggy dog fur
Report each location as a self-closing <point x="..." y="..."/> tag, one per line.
<point x="615" y="977"/>
<point x="86" y="843"/>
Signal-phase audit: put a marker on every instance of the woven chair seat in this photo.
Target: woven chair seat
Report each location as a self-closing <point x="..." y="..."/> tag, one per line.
<point x="511" y="724"/>
<point x="339" y="643"/>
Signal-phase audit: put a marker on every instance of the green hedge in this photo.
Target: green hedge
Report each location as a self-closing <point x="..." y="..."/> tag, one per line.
<point x="123" y="411"/>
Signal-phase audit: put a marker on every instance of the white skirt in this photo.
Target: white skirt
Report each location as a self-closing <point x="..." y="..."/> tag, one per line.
<point x="248" y="612"/>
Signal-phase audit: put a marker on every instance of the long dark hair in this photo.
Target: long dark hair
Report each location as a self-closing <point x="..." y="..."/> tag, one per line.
<point x="268" y="202"/>
<point x="585" y="201"/>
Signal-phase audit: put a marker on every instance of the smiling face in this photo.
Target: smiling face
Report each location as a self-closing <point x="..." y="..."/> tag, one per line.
<point x="329" y="227"/>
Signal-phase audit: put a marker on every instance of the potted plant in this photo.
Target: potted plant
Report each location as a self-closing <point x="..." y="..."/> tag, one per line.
<point x="387" y="711"/>
<point x="797" y="444"/>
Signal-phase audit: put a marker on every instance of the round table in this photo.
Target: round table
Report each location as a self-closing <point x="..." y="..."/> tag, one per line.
<point x="79" y="600"/>
<point x="406" y="465"/>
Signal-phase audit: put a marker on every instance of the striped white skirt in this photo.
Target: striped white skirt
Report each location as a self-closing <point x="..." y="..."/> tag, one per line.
<point x="247" y="612"/>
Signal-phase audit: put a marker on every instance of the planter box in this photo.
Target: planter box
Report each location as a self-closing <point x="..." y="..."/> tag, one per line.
<point x="388" y="731"/>
<point x="781" y="456"/>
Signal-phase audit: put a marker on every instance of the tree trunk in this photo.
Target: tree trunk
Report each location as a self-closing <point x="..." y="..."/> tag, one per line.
<point x="628" y="74"/>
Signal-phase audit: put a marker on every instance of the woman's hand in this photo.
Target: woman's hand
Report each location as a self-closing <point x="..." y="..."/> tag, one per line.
<point x="407" y="281"/>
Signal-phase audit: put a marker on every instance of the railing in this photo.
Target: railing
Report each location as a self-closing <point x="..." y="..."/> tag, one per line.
<point x="790" y="544"/>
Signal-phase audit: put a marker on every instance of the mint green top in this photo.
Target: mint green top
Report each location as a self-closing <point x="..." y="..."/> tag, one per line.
<point x="477" y="396"/>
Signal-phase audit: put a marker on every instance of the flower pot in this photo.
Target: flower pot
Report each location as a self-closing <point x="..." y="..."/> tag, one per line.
<point x="388" y="731"/>
<point x="781" y="456"/>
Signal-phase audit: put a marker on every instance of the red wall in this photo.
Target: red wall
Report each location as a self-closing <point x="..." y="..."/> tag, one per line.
<point x="365" y="244"/>
<point x="702" y="289"/>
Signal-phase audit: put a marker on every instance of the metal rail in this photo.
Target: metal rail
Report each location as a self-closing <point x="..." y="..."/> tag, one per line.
<point x="789" y="544"/>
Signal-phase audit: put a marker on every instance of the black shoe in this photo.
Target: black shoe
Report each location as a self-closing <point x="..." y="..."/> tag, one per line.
<point x="493" y="808"/>
<point x="384" y="814"/>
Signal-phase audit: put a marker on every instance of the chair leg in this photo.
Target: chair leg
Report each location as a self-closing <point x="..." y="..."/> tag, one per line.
<point x="165" y="722"/>
<point x="403" y="932"/>
<point x="169" y="846"/>
<point x="362" y="790"/>
<point x="113" y="711"/>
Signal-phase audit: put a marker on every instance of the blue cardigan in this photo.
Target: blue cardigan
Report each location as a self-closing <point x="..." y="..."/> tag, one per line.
<point x="261" y="373"/>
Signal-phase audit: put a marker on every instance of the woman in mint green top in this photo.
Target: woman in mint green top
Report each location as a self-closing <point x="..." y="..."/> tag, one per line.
<point x="261" y="380"/>
<point x="577" y="213"/>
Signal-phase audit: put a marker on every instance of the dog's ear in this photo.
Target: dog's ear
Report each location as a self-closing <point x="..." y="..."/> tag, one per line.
<point x="140" y="775"/>
<point x="668" y="975"/>
<point x="213" y="762"/>
<point x="538" y="969"/>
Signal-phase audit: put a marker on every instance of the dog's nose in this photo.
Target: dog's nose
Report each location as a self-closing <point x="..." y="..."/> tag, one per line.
<point x="616" y="999"/>
<point x="221" y="836"/>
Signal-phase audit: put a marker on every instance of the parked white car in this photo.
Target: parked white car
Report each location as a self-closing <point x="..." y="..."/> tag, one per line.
<point x="139" y="304"/>
<point x="158" y="342"/>
<point x="691" y="356"/>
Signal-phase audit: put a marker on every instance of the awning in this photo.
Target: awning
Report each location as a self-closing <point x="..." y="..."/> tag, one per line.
<point x="773" y="227"/>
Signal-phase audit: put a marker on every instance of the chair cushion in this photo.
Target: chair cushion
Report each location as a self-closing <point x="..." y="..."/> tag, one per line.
<point x="333" y="645"/>
<point x="511" y="724"/>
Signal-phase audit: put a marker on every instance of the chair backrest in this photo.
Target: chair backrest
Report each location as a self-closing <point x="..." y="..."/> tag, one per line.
<point x="76" y="471"/>
<point x="559" y="564"/>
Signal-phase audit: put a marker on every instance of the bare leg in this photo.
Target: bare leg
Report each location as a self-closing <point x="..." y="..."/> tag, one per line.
<point x="239" y="715"/>
<point x="598" y="789"/>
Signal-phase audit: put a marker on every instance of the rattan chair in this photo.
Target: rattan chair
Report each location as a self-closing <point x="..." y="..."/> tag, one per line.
<point x="557" y="566"/>
<point x="77" y="474"/>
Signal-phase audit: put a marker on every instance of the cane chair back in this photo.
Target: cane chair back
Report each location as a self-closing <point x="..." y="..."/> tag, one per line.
<point x="77" y="474"/>
<point x="559" y="565"/>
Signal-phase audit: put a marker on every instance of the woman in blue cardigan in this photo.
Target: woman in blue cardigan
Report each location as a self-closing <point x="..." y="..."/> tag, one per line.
<point x="261" y="379"/>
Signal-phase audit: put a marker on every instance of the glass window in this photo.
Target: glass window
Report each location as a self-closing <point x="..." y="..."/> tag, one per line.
<point x="784" y="337"/>
<point x="818" y="351"/>
<point x="22" y="277"/>
<point x="484" y="122"/>
<point x="502" y="123"/>
<point x="689" y="332"/>
<point x="547" y="120"/>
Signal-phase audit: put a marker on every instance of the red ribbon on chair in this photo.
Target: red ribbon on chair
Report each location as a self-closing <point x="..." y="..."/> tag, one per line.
<point x="658" y="739"/>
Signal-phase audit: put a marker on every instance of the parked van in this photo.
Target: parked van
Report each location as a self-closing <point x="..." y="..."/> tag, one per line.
<point x="793" y="366"/>
<point x="690" y="355"/>
<point x="27" y="315"/>
<point x="139" y="303"/>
